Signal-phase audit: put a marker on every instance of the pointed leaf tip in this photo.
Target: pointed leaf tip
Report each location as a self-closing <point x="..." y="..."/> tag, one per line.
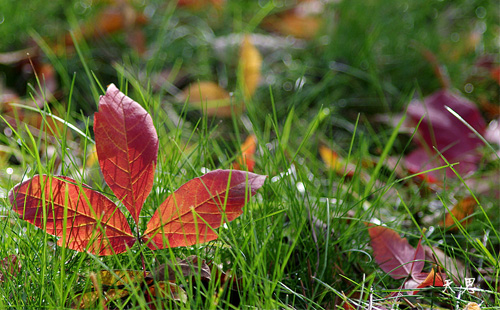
<point x="190" y="215"/>
<point x="127" y="148"/>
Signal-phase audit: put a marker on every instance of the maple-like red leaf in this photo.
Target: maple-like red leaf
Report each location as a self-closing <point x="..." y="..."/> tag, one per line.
<point x="190" y="215"/>
<point x="84" y="219"/>
<point x="127" y="148"/>
<point x="442" y="130"/>
<point x="394" y="254"/>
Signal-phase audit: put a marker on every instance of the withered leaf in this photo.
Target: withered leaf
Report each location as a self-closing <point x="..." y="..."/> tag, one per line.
<point x="188" y="267"/>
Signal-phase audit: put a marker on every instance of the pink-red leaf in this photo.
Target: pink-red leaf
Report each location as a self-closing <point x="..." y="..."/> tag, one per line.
<point x="394" y="254"/>
<point x="190" y="215"/>
<point x="127" y="148"/>
<point x="83" y="218"/>
<point x="9" y="267"/>
<point x="443" y="130"/>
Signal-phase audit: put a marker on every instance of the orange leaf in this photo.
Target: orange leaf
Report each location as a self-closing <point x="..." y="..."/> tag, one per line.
<point x="211" y="98"/>
<point x="423" y="280"/>
<point x="432" y="279"/>
<point x="112" y="19"/>
<point x="246" y="160"/>
<point x="463" y="209"/>
<point x="495" y="74"/>
<point x="190" y="215"/>
<point x="250" y="62"/>
<point x="200" y="4"/>
<point x="82" y="217"/>
<point x="296" y="22"/>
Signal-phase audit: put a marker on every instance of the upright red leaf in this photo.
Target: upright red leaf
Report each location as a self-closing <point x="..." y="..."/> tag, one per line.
<point x="394" y="254"/>
<point x="127" y="148"/>
<point x="93" y="222"/>
<point x="210" y="197"/>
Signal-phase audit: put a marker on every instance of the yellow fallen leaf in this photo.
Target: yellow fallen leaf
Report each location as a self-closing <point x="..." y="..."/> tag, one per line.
<point x="334" y="162"/>
<point x="250" y="62"/>
<point x="472" y="306"/>
<point x="211" y="98"/>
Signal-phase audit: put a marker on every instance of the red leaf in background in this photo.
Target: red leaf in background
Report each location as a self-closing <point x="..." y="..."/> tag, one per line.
<point x="127" y="148"/>
<point x="495" y="74"/>
<point x="9" y="267"/>
<point x="210" y="196"/>
<point x="400" y="260"/>
<point x="394" y="254"/>
<point x="93" y="222"/>
<point x="450" y="136"/>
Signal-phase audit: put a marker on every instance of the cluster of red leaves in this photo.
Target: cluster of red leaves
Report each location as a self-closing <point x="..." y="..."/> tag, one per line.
<point x="127" y="147"/>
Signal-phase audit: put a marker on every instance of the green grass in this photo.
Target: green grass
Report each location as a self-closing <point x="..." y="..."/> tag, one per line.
<point x="301" y="242"/>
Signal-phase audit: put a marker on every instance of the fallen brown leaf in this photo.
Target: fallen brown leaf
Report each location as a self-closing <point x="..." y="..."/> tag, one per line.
<point x="211" y="98"/>
<point x="188" y="268"/>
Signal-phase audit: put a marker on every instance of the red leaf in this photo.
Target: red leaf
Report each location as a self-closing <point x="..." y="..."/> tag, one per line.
<point x="93" y="222"/>
<point x="450" y="136"/>
<point x="394" y="254"/>
<point x="127" y="148"/>
<point x="211" y="196"/>
<point x="9" y="267"/>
